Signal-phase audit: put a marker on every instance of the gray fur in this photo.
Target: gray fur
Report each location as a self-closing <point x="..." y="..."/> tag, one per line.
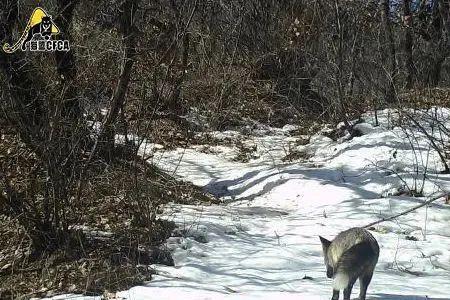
<point x="351" y="255"/>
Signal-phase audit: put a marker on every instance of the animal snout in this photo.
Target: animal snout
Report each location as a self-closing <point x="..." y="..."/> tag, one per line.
<point x="330" y="272"/>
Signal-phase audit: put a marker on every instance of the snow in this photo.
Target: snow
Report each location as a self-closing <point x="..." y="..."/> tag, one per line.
<point x="262" y="242"/>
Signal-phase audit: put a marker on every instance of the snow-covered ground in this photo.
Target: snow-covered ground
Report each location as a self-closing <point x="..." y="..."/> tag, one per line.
<point x="262" y="243"/>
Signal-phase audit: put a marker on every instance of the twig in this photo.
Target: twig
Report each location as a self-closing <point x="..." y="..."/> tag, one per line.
<point x="432" y="142"/>
<point x="406" y="211"/>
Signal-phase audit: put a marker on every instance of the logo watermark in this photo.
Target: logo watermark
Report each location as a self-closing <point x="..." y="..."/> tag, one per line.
<point x="40" y="34"/>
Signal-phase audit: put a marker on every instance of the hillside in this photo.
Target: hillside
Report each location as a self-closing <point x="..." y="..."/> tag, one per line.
<point x="262" y="241"/>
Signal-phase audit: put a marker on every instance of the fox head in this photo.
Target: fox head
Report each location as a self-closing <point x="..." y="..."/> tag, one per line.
<point x="325" y="245"/>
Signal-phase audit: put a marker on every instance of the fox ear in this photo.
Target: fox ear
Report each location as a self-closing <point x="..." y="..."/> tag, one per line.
<point x="325" y="243"/>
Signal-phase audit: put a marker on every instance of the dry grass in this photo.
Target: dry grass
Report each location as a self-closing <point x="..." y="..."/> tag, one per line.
<point x="116" y="236"/>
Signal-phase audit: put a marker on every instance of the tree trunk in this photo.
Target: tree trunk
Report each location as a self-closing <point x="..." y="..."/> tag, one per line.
<point x="66" y="63"/>
<point x="408" y="44"/>
<point x="340" y="68"/>
<point x="391" y="51"/>
<point x="129" y="34"/>
<point x="442" y="51"/>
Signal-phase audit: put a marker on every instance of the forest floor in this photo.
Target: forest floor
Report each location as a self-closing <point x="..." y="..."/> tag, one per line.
<point x="280" y="191"/>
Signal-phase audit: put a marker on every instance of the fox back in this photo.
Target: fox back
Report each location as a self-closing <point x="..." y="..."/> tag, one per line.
<point x="352" y="254"/>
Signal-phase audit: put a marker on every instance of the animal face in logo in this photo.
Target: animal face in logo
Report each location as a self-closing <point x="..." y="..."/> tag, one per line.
<point x="39" y="35"/>
<point x="44" y="28"/>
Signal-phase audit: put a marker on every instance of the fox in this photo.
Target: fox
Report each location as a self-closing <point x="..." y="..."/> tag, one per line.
<point x="351" y="255"/>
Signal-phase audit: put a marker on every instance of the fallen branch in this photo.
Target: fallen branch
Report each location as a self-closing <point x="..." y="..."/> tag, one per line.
<point x="407" y="211"/>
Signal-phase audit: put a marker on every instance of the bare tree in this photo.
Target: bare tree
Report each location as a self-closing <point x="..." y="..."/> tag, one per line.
<point x="389" y="45"/>
<point x="408" y="43"/>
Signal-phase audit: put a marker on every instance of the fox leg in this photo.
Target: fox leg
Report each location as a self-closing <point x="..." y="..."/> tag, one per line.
<point x="364" y="281"/>
<point x="348" y="289"/>
<point x="335" y="295"/>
